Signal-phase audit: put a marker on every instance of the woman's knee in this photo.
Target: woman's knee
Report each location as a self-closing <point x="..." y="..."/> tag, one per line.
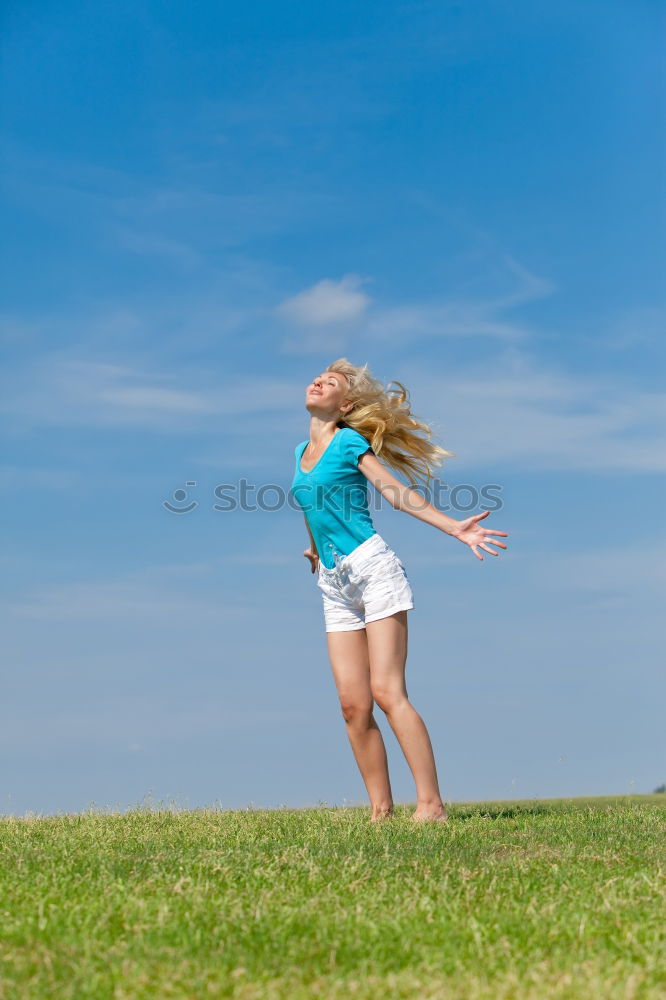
<point x="389" y="698"/>
<point x="357" y="712"/>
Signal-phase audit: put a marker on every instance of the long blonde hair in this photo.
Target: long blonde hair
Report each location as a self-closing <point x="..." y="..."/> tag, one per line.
<point x="384" y="417"/>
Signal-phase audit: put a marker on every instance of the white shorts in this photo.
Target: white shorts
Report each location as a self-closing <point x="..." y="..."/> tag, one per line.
<point x="368" y="584"/>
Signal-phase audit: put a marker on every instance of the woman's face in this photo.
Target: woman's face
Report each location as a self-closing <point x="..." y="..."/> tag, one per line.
<point x="326" y="393"/>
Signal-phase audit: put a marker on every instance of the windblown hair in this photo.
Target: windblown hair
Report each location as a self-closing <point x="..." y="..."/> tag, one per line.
<point x="383" y="416"/>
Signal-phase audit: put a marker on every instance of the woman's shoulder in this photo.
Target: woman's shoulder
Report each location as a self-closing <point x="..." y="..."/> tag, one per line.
<point x="353" y="436"/>
<point x="353" y="445"/>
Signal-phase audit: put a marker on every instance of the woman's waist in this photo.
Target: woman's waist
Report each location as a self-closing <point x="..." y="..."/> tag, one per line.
<point x="358" y="558"/>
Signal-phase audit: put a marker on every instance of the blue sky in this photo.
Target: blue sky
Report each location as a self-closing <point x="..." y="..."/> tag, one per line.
<point x="202" y="208"/>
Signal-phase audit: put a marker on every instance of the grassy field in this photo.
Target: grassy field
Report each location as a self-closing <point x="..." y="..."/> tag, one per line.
<point x="550" y="898"/>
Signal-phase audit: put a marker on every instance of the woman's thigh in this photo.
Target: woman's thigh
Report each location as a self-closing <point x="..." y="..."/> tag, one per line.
<point x="387" y="653"/>
<point x="350" y="663"/>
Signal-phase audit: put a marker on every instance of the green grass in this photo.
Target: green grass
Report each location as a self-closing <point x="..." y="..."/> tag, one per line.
<point x="550" y="898"/>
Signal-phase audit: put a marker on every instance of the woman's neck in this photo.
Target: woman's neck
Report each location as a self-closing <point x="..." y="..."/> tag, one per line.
<point x="322" y="430"/>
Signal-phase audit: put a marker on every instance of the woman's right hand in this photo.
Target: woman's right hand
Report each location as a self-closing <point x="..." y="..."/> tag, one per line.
<point x="313" y="557"/>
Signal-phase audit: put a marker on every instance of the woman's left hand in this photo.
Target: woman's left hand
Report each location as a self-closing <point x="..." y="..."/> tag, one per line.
<point x="471" y="533"/>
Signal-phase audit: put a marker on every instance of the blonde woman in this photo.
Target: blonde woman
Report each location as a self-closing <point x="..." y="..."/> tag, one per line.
<point x="354" y="422"/>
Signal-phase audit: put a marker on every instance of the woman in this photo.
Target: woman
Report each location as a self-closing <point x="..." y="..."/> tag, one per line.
<point x="355" y="421"/>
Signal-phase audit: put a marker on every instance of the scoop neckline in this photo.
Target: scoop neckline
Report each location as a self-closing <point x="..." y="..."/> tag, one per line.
<point x="301" y="469"/>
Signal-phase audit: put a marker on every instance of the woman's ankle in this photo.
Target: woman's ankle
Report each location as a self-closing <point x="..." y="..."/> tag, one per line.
<point x="382" y="809"/>
<point x="431" y="802"/>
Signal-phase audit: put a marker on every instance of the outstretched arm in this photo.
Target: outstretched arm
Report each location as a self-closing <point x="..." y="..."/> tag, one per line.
<point x="404" y="498"/>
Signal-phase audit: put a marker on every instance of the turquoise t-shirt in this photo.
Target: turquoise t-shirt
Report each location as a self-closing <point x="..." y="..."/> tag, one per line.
<point x="334" y="495"/>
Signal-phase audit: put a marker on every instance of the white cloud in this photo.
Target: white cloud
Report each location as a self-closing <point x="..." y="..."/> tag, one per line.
<point x="407" y="323"/>
<point x="327" y="302"/>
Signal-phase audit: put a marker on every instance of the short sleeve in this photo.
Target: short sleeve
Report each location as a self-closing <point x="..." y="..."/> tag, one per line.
<point x="354" y="445"/>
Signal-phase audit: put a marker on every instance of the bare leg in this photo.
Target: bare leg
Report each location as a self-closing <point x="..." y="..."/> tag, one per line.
<point x="348" y="653"/>
<point x="387" y="648"/>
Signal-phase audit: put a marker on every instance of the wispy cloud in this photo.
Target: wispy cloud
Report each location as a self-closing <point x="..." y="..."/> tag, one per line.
<point x="409" y="323"/>
<point x="121" y="723"/>
<point x="327" y="302"/>
<point x="182" y="219"/>
<point x="155" y="398"/>
<point x="19" y="477"/>
<point x="152" y="245"/>
<point x="156" y="594"/>
<point x="628" y="568"/>
<point x="460" y="317"/>
<point x="505" y="410"/>
<point x="638" y="328"/>
<point x="542" y="418"/>
<point x="620" y="568"/>
<point x="66" y="391"/>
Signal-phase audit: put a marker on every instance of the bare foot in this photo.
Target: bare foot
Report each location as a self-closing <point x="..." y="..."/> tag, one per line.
<point x="437" y="815"/>
<point x="382" y="815"/>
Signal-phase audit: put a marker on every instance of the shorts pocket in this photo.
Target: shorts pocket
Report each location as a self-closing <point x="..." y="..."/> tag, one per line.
<point x="395" y="561"/>
<point x="399" y="579"/>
